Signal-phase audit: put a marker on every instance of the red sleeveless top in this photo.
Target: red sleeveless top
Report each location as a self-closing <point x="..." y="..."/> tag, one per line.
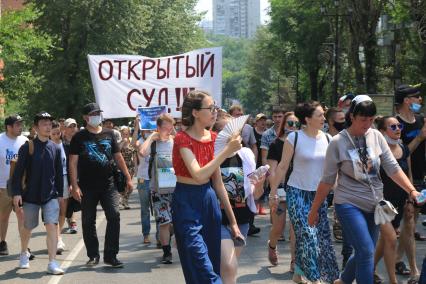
<point x="203" y="151"/>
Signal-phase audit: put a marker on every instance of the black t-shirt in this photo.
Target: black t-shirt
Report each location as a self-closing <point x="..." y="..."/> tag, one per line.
<point x="95" y="157"/>
<point x="275" y="153"/>
<point x="233" y="179"/>
<point x="258" y="137"/>
<point x="276" y="150"/>
<point x="411" y="131"/>
<point x="392" y="191"/>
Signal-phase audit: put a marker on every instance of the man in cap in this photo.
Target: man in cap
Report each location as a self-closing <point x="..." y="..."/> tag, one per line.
<point x="43" y="189"/>
<point x="345" y="101"/>
<point x="408" y="101"/>
<point x="93" y="151"/>
<point x="10" y="142"/>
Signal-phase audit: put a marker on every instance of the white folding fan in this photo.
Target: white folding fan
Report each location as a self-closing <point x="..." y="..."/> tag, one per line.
<point x="234" y="126"/>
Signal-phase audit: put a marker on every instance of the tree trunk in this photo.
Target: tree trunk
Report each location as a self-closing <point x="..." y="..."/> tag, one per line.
<point x="356" y="63"/>
<point x="370" y="51"/>
<point x="313" y="79"/>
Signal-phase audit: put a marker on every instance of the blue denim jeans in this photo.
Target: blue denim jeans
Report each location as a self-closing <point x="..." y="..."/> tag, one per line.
<point x="361" y="233"/>
<point x="423" y="273"/>
<point x="144" y="198"/>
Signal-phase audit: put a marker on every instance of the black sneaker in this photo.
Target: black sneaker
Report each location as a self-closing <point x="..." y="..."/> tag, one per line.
<point x="114" y="262"/>
<point x="93" y="261"/>
<point x="253" y="230"/>
<point x="31" y="255"/>
<point x="3" y="248"/>
<point x="167" y="258"/>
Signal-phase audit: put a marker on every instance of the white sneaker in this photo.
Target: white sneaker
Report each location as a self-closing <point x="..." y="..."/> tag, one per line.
<point x="24" y="260"/>
<point x="53" y="268"/>
<point x="60" y="247"/>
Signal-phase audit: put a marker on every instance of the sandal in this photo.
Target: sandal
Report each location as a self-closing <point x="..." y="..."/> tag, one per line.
<point x="377" y="279"/>
<point x="299" y="281"/>
<point x="419" y="237"/>
<point x="413" y="280"/>
<point x="401" y="269"/>
<point x="337" y="232"/>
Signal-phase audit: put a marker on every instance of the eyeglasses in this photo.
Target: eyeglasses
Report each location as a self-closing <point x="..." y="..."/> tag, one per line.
<point x="394" y="127"/>
<point x="212" y="108"/>
<point x="418" y="96"/>
<point x="291" y="123"/>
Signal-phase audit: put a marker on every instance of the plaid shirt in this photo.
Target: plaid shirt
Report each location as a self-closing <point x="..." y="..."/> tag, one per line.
<point x="267" y="137"/>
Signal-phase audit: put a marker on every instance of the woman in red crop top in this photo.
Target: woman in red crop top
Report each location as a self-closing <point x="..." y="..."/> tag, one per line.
<point x="195" y="208"/>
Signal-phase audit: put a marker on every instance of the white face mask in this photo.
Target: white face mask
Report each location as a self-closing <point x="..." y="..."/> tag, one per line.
<point x="391" y="141"/>
<point x="94" y="121"/>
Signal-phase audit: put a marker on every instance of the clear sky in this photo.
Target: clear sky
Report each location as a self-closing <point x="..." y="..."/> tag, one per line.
<point x="206" y="5"/>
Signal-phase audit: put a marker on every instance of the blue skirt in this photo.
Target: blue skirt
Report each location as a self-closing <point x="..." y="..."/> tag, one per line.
<point x="196" y="220"/>
<point x="315" y="258"/>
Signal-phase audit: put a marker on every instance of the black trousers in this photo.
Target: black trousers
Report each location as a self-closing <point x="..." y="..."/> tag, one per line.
<point x="109" y="199"/>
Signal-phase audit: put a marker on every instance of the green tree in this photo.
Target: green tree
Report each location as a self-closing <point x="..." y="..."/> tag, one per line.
<point x="79" y="28"/>
<point x="20" y="44"/>
<point x="234" y="73"/>
<point x="299" y="24"/>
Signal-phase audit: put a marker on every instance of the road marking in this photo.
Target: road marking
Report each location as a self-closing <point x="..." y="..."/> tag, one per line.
<point x="73" y="254"/>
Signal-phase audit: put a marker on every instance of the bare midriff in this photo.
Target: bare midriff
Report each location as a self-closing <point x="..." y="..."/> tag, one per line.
<point x="188" y="180"/>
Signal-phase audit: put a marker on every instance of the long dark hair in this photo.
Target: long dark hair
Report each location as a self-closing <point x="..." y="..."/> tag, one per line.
<point x="306" y="109"/>
<point x="365" y="108"/>
<point x="194" y="100"/>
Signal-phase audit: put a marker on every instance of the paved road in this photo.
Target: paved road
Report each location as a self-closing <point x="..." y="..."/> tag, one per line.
<point x="142" y="262"/>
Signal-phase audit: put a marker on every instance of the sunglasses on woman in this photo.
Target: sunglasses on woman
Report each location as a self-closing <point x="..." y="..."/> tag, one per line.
<point x="293" y="123"/>
<point x="394" y="127"/>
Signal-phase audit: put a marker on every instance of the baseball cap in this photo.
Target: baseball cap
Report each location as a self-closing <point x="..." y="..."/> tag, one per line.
<point x="69" y="121"/>
<point x="11" y="119"/>
<point x="91" y="107"/>
<point x="42" y="115"/>
<point x="260" y="116"/>
<point x="403" y="91"/>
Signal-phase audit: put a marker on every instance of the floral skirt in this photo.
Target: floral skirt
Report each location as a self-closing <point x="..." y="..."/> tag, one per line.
<point x="315" y="257"/>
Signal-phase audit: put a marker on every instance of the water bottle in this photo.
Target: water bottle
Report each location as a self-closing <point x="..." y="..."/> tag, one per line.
<point x="421" y="198"/>
<point x="259" y="173"/>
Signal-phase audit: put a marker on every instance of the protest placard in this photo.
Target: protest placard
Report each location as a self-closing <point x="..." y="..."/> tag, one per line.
<point x="148" y="116"/>
<point x="123" y="82"/>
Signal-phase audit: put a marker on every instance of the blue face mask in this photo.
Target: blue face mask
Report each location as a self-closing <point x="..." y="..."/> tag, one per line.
<point x="414" y="107"/>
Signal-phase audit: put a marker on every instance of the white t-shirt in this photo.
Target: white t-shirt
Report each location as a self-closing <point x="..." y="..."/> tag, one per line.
<point x="308" y="162"/>
<point x="8" y="151"/>
<point x="63" y="158"/>
<point x="143" y="164"/>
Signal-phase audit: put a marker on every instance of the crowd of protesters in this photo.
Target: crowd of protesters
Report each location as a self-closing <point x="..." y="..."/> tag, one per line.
<point x="346" y="159"/>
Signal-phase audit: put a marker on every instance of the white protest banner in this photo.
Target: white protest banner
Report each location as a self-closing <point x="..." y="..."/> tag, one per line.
<point x="122" y="83"/>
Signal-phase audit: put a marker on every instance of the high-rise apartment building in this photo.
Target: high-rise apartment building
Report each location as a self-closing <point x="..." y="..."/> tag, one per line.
<point x="236" y="18"/>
